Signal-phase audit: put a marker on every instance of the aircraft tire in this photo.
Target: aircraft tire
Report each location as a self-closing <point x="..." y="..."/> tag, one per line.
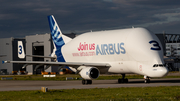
<point x="86" y="82"/>
<point x="119" y="81"/>
<point x="89" y="81"/>
<point x="126" y="80"/>
<point x="147" y="81"/>
<point x="123" y="80"/>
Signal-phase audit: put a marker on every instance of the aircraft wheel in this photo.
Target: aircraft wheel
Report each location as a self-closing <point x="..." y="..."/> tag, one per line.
<point x="126" y="80"/>
<point x="119" y="81"/>
<point x="147" y="81"/>
<point x="86" y="82"/>
<point x="89" y="81"/>
<point x="123" y="80"/>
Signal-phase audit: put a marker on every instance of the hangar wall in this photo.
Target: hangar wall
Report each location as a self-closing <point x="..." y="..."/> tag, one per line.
<point x="6" y="49"/>
<point x="38" y="45"/>
<point x="9" y="48"/>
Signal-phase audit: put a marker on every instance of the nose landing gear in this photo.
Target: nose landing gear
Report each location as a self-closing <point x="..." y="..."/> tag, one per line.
<point x="146" y="79"/>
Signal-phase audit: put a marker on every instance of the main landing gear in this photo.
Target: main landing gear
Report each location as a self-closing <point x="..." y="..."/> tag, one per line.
<point x="86" y="82"/>
<point x="123" y="80"/>
<point x="146" y="79"/>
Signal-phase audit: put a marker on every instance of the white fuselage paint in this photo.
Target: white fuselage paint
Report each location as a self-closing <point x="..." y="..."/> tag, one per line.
<point x="126" y="50"/>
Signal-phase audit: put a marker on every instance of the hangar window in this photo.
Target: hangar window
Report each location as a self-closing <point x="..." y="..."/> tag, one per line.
<point x="168" y="49"/>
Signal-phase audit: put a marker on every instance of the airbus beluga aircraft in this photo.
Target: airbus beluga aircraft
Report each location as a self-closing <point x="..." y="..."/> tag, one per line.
<point x="123" y="51"/>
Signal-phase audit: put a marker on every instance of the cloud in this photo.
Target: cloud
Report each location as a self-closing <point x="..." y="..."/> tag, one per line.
<point x="20" y="18"/>
<point x="163" y="18"/>
<point x="108" y="0"/>
<point x="42" y="9"/>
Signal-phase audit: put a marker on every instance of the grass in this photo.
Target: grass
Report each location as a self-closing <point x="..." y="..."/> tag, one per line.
<point x="63" y="77"/>
<point x="97" y="94"/>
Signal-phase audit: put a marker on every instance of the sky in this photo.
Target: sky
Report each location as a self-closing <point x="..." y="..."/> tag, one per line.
<point x="20" y="18"/>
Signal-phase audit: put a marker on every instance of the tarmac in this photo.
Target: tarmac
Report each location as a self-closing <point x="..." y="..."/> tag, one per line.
<point x="15" y="85"/>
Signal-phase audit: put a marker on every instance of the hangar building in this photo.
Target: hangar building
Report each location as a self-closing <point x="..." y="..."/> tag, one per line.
<point x="8" y="51"/>
<point x="39" y="44"/>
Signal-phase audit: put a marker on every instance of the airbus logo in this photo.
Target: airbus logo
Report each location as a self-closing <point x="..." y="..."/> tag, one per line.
<point x="100" y="49"/>
<point x="110" y="49"/>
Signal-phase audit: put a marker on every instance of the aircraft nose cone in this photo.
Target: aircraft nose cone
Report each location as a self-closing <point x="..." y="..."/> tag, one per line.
<point x="164" y="71"/>
<point x="158" y="72"/>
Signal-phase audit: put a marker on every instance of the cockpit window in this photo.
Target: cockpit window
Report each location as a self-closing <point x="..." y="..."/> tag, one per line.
<point x="155" y="65"/>
<point x="158" y="65"/>
<point x="161" y="65"/>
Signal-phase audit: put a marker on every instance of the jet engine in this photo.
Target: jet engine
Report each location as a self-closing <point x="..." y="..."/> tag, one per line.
<point x="89" y="73"/>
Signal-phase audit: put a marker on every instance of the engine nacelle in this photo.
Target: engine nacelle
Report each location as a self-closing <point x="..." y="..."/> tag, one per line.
<point x="89" y="73"/>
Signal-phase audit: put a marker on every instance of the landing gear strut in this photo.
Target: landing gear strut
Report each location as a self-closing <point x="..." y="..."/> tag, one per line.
<point x="86" y="82"/>
<point x="146" y="79"/>
<point x="123" y="80"/>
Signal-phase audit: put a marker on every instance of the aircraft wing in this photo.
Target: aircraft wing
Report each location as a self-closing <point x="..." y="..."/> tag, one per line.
<point x="41" y="56"/>
<point x="73" y="64"/>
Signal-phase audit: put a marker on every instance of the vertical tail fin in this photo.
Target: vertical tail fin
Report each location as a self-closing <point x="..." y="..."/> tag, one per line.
<point x="21" y="53"/>
<point x="55" y="32"/>
<point x="57" y="37"/>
